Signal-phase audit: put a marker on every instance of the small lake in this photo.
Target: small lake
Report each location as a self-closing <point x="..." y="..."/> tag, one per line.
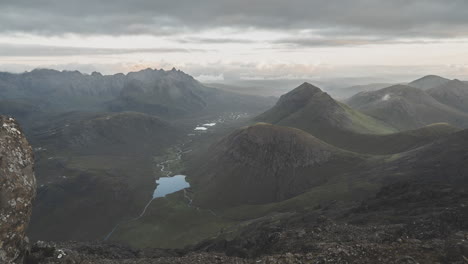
<point x="168" y="185"/>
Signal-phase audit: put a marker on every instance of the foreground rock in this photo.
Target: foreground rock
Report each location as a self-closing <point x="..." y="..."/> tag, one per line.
<point x="17" y="190"/>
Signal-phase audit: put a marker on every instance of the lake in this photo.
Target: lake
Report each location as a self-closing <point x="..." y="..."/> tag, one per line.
<point x="168" y="185"/>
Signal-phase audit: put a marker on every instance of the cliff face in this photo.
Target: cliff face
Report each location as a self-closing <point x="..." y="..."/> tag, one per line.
<point x="17" y="190"/>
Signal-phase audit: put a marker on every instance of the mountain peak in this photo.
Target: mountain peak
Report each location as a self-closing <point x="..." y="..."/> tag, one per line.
<point x="430" y="77"/>
<point x="428" y="82"/>
<point x="302" y="94"/>
<point x="307" y="88"/>
<point x="298" y="99"/>
<point x="308" y="108"/>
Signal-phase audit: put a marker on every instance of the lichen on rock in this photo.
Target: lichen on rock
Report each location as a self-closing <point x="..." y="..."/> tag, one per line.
<point x="17" y="190"/>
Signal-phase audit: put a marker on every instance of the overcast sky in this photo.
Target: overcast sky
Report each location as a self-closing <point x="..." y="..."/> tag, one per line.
<point x="243" y="39"/>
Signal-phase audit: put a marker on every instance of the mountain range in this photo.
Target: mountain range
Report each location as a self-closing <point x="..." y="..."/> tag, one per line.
<point x="165" y="93"/>
<point x="382" y="175"/>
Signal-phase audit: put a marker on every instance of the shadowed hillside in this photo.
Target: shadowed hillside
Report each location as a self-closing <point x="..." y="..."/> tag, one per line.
<point x="107" y="134"/>
<point x="269" y="164"/>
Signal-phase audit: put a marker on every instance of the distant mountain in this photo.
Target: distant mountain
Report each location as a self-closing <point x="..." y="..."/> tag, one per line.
<point x="268" y="163"/>
<point x="344" y="93"/>
<point x="160" y="92"/>
<point x="52" y="90"/>
<point x="166" y="93"/>
<point x="428" y="82"/>
<point x="453" y="93"/>
<point x="309" y="108"/>
<point x="406" y="107"/>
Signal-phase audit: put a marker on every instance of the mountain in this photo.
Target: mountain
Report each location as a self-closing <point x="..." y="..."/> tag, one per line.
<point x="453" y="93"/>
<point x="395" y="142"/>
<point x="428" y="82"/>
<point x="441" y="161"/>
<point x="309" y="108"/>
<point x="170" y="93"/>
<point x="400" y="222"/>
<point x="419" y="199"/>
<point x="55" y="90"/>
<point x="269" y="164"/>
<point x="106" y="133"/>
<point x="347" y="92"/>
<point x="314" y="111"/>
<point x="406" y="107"/>
<point x="22" y="110"/>
<point x="160" y="92"/>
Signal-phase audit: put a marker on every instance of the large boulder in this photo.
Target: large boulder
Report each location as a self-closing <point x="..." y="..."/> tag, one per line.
<point x="17" y="190"/>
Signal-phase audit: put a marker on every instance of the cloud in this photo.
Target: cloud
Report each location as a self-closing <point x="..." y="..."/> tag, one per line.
<point x="396" y="18"/>
<point x="294" y="42"/>
<point x="10" y="50"/>
<point x="221" y="40"/>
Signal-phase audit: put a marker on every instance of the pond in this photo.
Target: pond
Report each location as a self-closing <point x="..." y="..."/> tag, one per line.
<point x="168" y="185"/>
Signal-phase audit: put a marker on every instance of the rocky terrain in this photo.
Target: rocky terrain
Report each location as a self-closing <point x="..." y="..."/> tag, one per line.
<point x="406" y="222"/>
<point x="17" y="190"/>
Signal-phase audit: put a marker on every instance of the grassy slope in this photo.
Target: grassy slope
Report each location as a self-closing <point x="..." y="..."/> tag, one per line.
<point x="98" y="192"/>
<point x="365" y="124"/>
<point x="170" y="223"/>
<point x="395" y="142"/>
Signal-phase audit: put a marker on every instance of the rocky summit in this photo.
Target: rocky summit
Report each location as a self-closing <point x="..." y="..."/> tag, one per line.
<point x="17" y="190"/>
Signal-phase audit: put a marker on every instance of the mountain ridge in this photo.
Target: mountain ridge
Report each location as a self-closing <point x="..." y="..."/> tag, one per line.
<point x="406" y="107"/>
<point x="428" y="82"/>
<point x="453" y="93"/>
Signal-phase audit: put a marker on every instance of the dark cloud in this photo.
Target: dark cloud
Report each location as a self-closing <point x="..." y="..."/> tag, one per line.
<point x="422" y="18"/>
<point x="7" y="50"/>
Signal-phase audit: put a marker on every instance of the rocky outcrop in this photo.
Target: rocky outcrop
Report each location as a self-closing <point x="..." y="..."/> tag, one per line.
<point x="17" y="190"/>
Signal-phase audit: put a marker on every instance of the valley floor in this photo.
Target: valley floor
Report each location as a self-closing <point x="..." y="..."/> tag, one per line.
<point x="406" y="222"/>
